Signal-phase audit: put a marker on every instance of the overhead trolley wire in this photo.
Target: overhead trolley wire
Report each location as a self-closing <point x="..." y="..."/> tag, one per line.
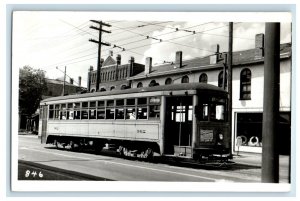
<point x="168" y="40"/>
<point x="124" y="49"/>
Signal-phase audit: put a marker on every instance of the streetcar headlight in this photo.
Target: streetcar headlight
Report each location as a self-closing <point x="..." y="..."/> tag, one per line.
<point x="221" y="137"/>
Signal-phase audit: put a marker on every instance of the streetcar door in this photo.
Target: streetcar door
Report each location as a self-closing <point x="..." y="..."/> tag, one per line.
<point x="178" y="130"/>
<point x="44" y="115"/>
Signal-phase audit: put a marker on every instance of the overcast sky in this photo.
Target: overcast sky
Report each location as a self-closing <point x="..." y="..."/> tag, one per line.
<point x="47" y="40"/>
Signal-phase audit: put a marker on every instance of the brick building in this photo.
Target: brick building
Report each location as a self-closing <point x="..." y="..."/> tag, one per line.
<point x="114" y="75"/>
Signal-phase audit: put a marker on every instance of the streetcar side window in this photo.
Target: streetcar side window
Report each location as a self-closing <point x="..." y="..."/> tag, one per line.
<point x="84" y="110"/>
<point x="63" y="112"/>
<point x="110" y="109"/>
<point x="142" y="112"/>
<point x="130" y="109"/>
<point x="56" y="111"/>
<point x="120" y="109"/>
<point x="154" y="107"/>
<point x="130" y="101"/>
<point x="51" y="111"/>
<point x="101" y="110"/>
<point x="154" y="111"/>
<point x="130" y="113"/>
<point x="70" y="111"/>
<point x="92" y="110"/>
<point x="76" y="110"/>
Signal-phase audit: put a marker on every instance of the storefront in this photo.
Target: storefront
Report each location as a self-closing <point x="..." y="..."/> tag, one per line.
<point x="248" y="132"/>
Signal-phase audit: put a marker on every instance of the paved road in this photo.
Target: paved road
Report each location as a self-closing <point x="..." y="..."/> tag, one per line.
<point x="108" y="167"/>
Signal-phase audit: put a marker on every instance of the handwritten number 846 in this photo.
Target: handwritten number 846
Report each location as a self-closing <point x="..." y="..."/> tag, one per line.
<point x="33" y="174"/>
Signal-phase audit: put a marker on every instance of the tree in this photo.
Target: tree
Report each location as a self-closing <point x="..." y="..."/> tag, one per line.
<point x="32" y="84"/>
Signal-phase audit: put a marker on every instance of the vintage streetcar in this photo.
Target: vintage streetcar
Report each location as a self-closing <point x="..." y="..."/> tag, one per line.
<point x="181" y="120"/>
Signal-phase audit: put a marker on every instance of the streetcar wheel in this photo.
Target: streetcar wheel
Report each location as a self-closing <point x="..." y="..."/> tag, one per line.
<point x="98" y="149"/>
<point x="120" y="150"/>
<point x="125" y="151"/>
<point x="149" y="154"/>
<point x="55" y="144"/>
<point x="74" y="146"/>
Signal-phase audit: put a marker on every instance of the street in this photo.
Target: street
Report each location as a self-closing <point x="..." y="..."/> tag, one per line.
<point x="108" y="166"/>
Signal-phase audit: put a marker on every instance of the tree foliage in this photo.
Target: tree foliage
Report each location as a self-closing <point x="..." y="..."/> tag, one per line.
<point x="32" y="85"/>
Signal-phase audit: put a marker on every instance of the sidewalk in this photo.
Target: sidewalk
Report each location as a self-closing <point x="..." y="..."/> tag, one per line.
<point x="27" y="133"/>
<point x="255" y="159"/>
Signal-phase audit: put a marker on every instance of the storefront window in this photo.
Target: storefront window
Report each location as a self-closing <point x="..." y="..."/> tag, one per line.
<point x="249" y="129"/>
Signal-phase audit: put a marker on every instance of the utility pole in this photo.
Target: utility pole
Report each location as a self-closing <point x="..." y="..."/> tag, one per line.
<point x="229" y="63"/>
<point x="99" y="42"/>
<point x="270" y="155"/>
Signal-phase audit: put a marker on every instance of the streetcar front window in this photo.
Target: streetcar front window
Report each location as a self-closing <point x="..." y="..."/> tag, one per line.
<point x="211" y="109"/>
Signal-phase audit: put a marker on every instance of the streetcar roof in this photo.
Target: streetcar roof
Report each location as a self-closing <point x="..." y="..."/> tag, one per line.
<point x="171" y="87"/>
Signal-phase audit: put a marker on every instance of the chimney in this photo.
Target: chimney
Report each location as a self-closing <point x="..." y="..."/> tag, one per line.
<point x="178" y="59"/>
<point x="110" y="53"/>
<point x="79" y="81"/>
<point x="217" y="56"/>
<point x="89" y="78"/>
<point x="131" y="60"/>
<point x="148" y="66"/>
<point x="71" y="80"/>
<point x="259" y="46"/>
<point x="118" y="59"/>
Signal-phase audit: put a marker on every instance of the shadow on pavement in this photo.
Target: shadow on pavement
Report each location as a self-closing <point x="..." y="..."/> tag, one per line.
<point x="33" y="171"/>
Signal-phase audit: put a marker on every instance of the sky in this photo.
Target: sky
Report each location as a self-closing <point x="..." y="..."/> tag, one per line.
<point x="52" y="40"/>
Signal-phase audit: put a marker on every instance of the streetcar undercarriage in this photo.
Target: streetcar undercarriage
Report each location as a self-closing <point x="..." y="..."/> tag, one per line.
<point x="141" y="149"/>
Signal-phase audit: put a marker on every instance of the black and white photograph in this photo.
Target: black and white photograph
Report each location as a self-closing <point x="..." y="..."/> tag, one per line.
<point x="151" y="101"/>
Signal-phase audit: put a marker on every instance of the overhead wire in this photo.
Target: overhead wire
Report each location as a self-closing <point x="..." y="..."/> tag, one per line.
<point x="141" y="46"/>
<point x="130" y="49"/>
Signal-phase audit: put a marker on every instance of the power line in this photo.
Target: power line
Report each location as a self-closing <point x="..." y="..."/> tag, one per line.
<point x="78" y="28"/>
<point x="169" y="40"/>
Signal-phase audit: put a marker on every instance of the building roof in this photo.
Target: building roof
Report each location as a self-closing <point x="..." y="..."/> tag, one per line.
<point x="184" y="86"/>
<point x="60" y="82"/>
<point x="109" y="61"/>
<point x="197" y="64"/>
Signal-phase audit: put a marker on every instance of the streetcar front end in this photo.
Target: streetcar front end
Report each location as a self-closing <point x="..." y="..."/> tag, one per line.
<point x="213" y="138"/>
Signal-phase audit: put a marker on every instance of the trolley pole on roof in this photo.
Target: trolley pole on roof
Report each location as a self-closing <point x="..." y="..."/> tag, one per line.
<point x="99" y="42"/>
<point x="229" y="64"/>
<point x="270" y="155"/>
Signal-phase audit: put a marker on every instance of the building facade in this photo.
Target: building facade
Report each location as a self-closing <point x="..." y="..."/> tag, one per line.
<point x="247" y="89"/>
<point x="113" y="74"/>
<point x="55" y="87"/>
